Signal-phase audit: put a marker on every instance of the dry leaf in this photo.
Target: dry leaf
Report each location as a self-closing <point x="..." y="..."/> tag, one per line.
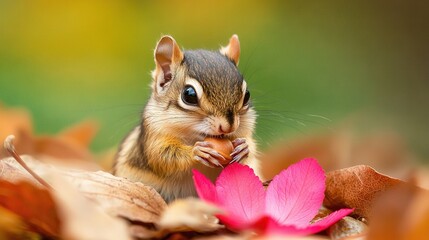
<point x="140" y="205"/>
<point x="33" y="204"/>
<point x="401" y="213"/>
<point x="83" y="219"/>
<point x="10" y="173"/>
<point x="190" y="214"/>
<point x="356" y="187"/>
<point x="119" y="196"/>
<point x="70" y="147"/>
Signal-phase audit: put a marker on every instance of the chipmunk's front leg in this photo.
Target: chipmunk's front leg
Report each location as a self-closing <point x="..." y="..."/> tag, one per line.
<point x="241" y="150"/>
<point x="205" y="154"/>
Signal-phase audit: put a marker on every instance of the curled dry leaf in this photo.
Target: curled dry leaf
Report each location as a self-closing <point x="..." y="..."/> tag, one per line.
<point x="119" y="196"/>
<point x="356" y="187"/>
<point x="140" y="205"/>
<point x="190" y="214"/>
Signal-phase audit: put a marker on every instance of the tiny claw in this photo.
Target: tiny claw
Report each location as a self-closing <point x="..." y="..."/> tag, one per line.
<point x="215" y="162"/>
<point x="240" y="156"/>
<point x="216" y="154"/>
<point x="201" y="160"/>
<point x="239" y="149"/>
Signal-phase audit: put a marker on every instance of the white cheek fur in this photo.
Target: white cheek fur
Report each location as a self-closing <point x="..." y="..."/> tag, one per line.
<point x="244" y="88"/>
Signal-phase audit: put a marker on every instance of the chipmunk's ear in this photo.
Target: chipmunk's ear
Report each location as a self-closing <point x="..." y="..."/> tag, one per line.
<point x="167" y="57"/>
<point x="232" y="51"/>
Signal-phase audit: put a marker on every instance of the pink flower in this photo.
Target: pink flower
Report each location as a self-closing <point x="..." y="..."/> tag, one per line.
<point x="286" y="207"/>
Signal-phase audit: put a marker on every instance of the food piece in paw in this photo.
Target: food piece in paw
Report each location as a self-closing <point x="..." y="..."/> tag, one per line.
<point x="223" y="146"/>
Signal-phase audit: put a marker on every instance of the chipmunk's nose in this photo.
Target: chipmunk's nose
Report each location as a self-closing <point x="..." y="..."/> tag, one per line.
<point x="225" y="128"/>
<point x="225" y="124"/>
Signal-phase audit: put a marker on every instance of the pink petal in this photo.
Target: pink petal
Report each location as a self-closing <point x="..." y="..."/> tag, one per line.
<point x="332" y="218"/>
<point x="268" y="226"/>
<point x="296" y="194"/>
<point x="240" y="193"/>
<point x="205" y="188"/>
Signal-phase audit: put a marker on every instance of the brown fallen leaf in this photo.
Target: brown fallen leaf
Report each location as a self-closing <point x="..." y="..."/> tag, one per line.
<point x="10" y="173"/>
<point x="119" y="196"/>
<point x="70" y="147"/>
<point x="140" y="205"/>
<point x="81" y="217"/>
<point x="401" y="213"/>
<point x="33" y="204"/>
<point x="182" y="219"/>
<point x="356" y="187"/>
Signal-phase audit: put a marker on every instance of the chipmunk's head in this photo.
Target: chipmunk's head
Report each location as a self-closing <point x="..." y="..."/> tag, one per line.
<point x="202" y="91"/>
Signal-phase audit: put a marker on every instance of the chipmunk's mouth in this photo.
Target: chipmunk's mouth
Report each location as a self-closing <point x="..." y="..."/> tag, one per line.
<point x="205" y="135"/>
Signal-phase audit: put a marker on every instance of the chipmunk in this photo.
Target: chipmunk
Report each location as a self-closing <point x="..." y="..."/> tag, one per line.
<point x="195" y="94"/>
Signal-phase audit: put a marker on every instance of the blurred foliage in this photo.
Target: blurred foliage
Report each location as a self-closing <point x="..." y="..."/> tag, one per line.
<point x="308" y="63"/>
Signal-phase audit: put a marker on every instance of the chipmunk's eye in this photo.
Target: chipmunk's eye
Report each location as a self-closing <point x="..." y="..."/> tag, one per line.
<point x="189" y="95"/>
<point x="246" y="98"/>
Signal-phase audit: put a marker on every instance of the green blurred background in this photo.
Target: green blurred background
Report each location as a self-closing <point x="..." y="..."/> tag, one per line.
<point x="310" y="65"/>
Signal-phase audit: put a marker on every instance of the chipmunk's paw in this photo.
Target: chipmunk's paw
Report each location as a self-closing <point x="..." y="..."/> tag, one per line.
<point x="241" y="150"/>
<point x="205" y="154"/>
